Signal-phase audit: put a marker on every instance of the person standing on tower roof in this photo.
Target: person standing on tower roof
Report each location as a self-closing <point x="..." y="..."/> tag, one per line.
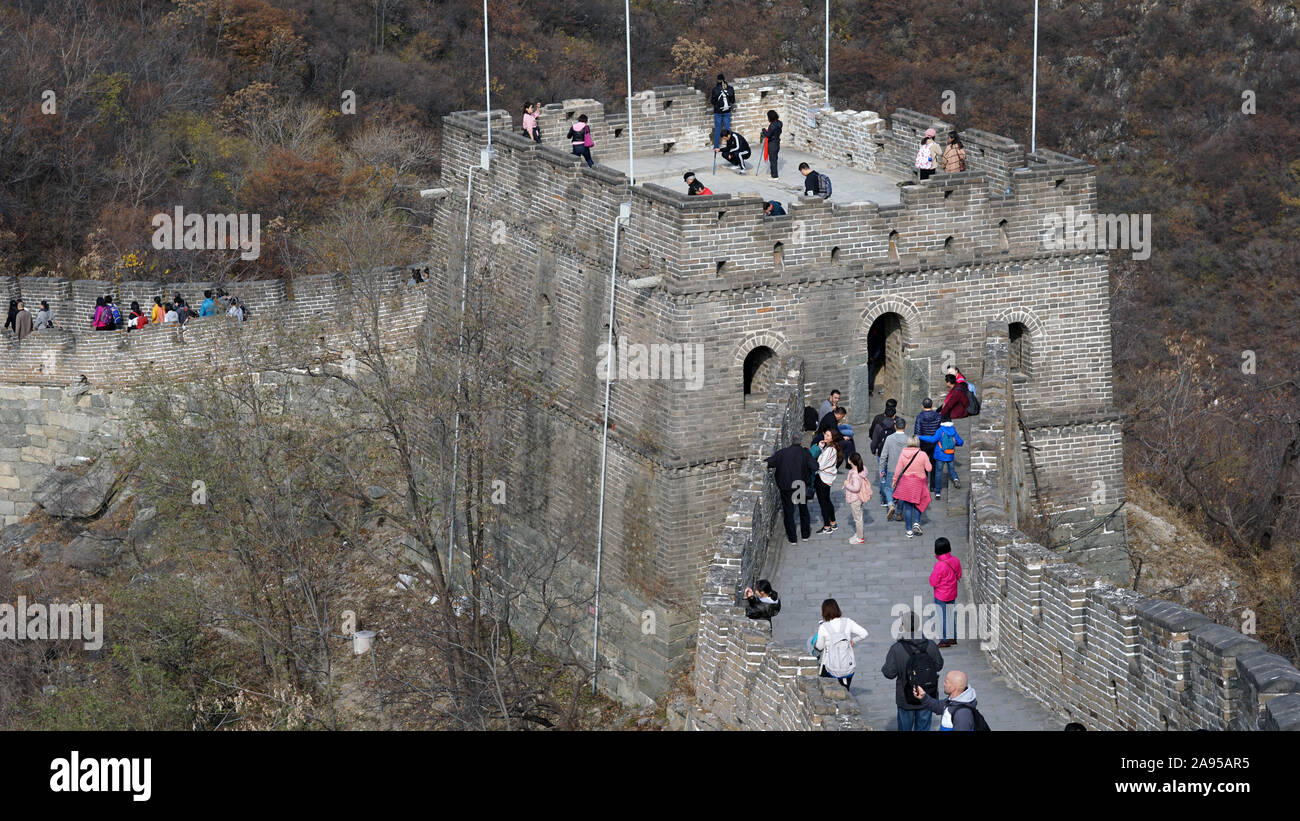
<point x="723" y="99"/>
<point x="815" y="183"/>
<point x="735" y="149"/>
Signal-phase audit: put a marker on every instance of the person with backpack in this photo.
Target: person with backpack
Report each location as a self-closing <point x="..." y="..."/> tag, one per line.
<point x="580" y="137"/>
<point x="135" y="318"/>
<point x="836" y="635"/>
<point x="882" y="426"/>
<point x="890" y="449"/>
<point x="97" y="319"/>
<point x="828" y="458"/>
<point x="954" y="155"/>
<point x="927" y="156"/>
<point x="857" y="492"/>
<point x="944" y="578"/>
<point x="958" y="709"/>
<point x="761" y="601"/>
<point x="945" y="442"/>
<point x="815" y="183"/>
<point x="792" y="466"/>
<point x="913" y="661"/>
<point x="734" y="149"/>
<point x="772" y="140"/>
<point x="723" y="99"/>
<point x="972" y="397"/>
<point x="954" y="405"/>
<point x="911" y="488"/>
<point x="927" y="422"/>
<point x="112" y="315"/>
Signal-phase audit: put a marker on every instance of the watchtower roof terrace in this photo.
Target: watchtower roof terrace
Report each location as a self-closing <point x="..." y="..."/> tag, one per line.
<point x="849" y="184"/>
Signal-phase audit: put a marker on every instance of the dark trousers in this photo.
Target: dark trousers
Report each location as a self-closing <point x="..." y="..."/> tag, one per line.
<point x="772" y="150"/>
<point x="788" y="506"/>
<point x="934" y="478"/>
<point x="735" y="158"/>
<point x="824" y="501"/>
<point x="584" y="152"/>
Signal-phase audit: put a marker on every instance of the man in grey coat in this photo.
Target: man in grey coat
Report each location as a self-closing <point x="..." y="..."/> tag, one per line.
<point x="888" y="460"/>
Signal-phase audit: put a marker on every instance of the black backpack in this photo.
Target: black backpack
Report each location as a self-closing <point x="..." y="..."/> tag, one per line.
<point x="980" y="724"/>
<point x="809" y="417"/>
<point x="972" y="401"/>
<point x="919" y="672"/>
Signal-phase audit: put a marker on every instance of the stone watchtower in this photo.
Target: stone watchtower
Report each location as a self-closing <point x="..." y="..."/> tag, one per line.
<point x="926" y="266"/>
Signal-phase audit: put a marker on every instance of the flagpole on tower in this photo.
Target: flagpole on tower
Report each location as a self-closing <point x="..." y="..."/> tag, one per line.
<point x="1033" y="116"/>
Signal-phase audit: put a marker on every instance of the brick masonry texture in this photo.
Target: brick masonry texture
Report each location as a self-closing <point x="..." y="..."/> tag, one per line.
<point x="959" y="251"/>
<point x="1107" y="657"/>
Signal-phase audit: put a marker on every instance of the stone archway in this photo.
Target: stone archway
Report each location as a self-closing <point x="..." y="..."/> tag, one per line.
<point x="882" y="368"/>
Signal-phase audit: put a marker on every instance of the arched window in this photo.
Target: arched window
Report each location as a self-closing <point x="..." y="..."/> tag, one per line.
<point x="1020" y="363"/>
<point x="893" y="246"/>
<point x="778" y="255"/>
<point x="760" y="370"/>
<point x="1004" y="244"/>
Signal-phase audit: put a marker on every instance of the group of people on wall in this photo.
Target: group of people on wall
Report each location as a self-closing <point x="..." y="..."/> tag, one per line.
<point x="107" y="316"/>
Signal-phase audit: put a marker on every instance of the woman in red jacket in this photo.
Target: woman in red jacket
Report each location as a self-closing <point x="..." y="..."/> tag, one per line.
<point x="954" y="406"/>
<point x="944" y="578"/>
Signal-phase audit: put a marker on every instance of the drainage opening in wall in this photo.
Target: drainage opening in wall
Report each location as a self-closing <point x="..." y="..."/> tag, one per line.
<point x="1060" y="182"/>
<point x="722" y="267"/>
<point x="618" y="132"/>
<point x="835" y="254"/>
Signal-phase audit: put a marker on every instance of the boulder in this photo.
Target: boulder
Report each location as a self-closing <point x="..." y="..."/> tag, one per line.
<point x="17" y="535"/>
<point x="89" y="551"/>
<point x="66" y="495"/>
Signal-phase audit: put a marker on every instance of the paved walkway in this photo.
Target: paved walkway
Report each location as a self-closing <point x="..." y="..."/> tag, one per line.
<point x="868" y="580"/>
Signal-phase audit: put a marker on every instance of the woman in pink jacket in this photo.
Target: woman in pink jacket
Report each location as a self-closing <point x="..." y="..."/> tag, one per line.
<point x="912" y="485"/>
<point x="944" y="578"/>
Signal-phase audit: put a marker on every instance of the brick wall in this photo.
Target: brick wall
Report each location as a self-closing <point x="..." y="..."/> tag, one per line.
<point x="741" y="677"/>
<point x="1101" y="655"/>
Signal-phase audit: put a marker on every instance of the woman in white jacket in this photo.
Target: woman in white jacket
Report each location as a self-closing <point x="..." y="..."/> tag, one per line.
<point x="828" y="460"/>
<point x="834" y="642"/>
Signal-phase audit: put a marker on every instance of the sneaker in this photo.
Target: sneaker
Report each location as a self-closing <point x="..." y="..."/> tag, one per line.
<point x="856" y="540"/>
<point x="956" y="482"/>
<point x="938" y="495"/>
<point x="917" y="529"/>
<point x="909" y="533"/>
<point x="834" y="527"/>
<point x="826" y="529"/>
<point x="892" y="514"/>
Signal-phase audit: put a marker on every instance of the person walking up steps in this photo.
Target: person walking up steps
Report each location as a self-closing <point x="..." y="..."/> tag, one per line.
<point x="580" y="136"/>
<point x="890" y="450"/>
<point x="827" y="459"/>
<point x="911" y="485"/>
<point x="944" y="578"/>
<point x="945" y="441"/>
<point x="723" y="98"/>
<point x="927" y="422"/>
<point x="913" y="661"/>
<point x="857" y="492"/>
<point x="833" y="644"/>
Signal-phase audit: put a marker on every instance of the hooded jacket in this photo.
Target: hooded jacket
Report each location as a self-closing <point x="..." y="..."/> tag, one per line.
<point x="937" y="439"/>
<point x="958" y="719"/>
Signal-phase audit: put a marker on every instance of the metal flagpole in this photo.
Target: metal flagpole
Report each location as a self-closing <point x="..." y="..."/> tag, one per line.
<point x="1033" y="116"/>
<point x="487" y="76"/>
<point x="827" y="74"/>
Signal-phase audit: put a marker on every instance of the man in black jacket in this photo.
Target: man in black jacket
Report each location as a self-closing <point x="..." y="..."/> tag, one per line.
<point x="761" y="601"/>
<point x="912" y="713"/>
<point x="735" y="149"/>
<point x="723" y="98"/>
<point x="927" y="422"/>
<point x="793" y="467"/>
<point x="815" y="183"/>
<point x="882" y="426"/>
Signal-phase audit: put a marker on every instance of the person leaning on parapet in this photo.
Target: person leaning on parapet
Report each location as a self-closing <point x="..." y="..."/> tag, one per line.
<point x="169" y="314"/>
<point x="695" y="188"/>
<point x="927" y="156"/>
<point x="761" y="601"/>
<point x="531" y="131"/>
<point x="22" y="321"/>
<point x="723" y="98"/>
<point x="237" y="309"/>
<point x="44" y="317"/>
<point x="772" y="137"/>
<point x="772" y="208"/>
<point x="580" y="136"/>
<point x="815" y="183"/>
<point x="735" y="150"/>
<point x="793" y="465"/>
<point x="954" y="155"/>
<point x="958" y="709"/>
<point x="913" y="660"/>
<point x="209" y="305"/>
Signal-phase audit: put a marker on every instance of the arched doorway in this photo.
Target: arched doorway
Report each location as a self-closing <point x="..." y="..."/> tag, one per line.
<point x="885" y="359"/>
<point x="760" y="371"/>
